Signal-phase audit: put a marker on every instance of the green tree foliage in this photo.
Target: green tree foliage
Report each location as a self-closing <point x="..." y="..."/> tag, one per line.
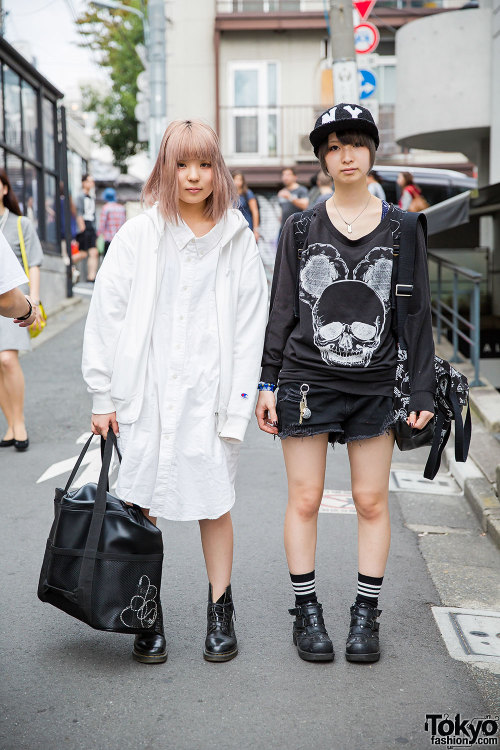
<point x="114" y="35"/>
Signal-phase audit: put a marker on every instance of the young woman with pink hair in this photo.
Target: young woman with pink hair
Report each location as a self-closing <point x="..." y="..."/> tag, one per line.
<point x="171" y="357"/>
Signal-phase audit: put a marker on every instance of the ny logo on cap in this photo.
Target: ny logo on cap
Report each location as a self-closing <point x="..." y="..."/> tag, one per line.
<point x="330" y="116"/>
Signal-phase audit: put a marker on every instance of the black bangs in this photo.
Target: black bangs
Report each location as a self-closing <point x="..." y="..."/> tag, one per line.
<point x="351" y="137"/>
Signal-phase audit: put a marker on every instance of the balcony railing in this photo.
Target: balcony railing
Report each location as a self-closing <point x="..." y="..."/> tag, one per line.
<point x="260" y="135"/>
<point x="319" y="6"/>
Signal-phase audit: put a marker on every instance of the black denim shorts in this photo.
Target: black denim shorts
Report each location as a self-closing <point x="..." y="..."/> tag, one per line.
<point x="345" y="416"/>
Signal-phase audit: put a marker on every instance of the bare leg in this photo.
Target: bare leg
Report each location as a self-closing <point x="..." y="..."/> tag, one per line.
<point x="6" y="408"/>
<point x="217" y="543"/>
<point x="92" y="263"/>
<point x="370" y="466"/>
<point x="13" y="391"/>
<point x="305" y="461"/>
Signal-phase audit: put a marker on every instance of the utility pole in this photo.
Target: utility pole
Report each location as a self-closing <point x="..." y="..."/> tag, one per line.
<point x="157" y="63"/>
<point x="345" y="69"/>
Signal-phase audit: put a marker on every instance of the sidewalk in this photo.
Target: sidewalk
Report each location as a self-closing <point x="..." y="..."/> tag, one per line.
<point x="479" y="477"/>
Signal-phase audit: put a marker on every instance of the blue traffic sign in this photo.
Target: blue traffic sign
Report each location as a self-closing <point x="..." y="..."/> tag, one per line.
<point x="367" y="83"/>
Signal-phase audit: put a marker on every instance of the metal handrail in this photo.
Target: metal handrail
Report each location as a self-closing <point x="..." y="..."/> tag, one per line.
<point x="473" y="324"/>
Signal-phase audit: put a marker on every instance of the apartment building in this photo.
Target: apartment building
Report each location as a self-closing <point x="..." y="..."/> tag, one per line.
<point x="259" y="71"/>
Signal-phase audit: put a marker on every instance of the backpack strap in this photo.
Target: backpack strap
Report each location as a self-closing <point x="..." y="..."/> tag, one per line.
<point x="406" y="265"/>
<point x="300" y="238"/>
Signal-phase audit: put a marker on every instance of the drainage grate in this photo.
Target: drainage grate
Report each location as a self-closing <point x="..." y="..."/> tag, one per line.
<point x="413" y="481"/>
<point x="470" y="635"/>
<point x="337" y="501"/>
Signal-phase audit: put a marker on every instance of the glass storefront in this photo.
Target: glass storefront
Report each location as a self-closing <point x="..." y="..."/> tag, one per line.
<point x="29" y="143"/>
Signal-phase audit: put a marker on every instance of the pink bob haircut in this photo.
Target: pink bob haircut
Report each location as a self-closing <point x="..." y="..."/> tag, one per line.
<point x="184" y="140"/>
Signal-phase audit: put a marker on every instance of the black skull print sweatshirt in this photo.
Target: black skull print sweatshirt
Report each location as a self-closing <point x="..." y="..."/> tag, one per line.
<point x="343" y="337"/>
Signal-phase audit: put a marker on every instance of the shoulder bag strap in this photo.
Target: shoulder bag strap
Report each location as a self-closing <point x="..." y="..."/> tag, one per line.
<point x="300" y="244"/>
<point x="438" y="445"/>
<point x="406" y="266"/>
<point x="23" y="247"/>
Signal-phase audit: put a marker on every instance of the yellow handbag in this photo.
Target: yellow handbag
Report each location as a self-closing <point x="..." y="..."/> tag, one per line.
<point x="35" y="328"/>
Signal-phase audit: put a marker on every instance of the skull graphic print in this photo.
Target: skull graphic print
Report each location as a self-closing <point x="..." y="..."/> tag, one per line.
<point x="349" y="308"/>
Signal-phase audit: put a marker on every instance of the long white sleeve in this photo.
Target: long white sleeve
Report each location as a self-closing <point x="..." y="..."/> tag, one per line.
<point x="106" y="322"/>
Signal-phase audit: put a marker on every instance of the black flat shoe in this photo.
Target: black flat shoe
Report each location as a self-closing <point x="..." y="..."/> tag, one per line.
<point x="150" y="647"/>
<point x="21" y="445"/>
<point x="7" y="443"/>
<point x="363" y="642"/>
<point x="220" y="643"/>
<point x="309" y="633"/>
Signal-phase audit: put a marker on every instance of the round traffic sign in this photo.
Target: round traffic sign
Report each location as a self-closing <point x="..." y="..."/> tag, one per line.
<point x="366" y="38"/>
<point x="367" y="83"/>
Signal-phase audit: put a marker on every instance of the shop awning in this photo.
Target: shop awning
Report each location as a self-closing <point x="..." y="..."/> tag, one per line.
<point x="449" y="213"/>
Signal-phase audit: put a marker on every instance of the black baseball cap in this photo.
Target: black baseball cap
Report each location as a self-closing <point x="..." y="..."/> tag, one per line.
<point x="342" y="117"/>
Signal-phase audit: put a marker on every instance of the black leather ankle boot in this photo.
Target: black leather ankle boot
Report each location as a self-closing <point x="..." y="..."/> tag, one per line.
<point x="150" y="647"/>
<point x="309" y="633"/>
<point x="362" y="642"/>
<point x="220" y="643"/>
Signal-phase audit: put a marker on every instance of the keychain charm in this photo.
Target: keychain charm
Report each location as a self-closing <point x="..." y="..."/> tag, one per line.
<point x="305" y="412"/>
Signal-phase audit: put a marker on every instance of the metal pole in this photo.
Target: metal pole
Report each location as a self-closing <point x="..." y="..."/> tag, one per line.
<point x="345" y="71"/>
<point x="476" y="314"/>
<point x="67" y="209"/>
<point x="454" y="331"/>
<point x="157" y="62"/>
<point x="439" y="312"/>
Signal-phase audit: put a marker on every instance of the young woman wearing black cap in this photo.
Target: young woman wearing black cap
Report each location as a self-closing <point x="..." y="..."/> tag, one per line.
<point x="333" y="355"/>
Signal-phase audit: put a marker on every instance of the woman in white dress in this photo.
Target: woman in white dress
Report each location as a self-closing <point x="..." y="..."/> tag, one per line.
<point x="171" y="357"/>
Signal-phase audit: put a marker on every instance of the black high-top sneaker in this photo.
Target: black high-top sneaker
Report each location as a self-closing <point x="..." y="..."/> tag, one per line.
<point x="150" y="647"/>
<point x="309" y="633"/>
<point x="362" y="642"/>
<point x="220" y="643"/>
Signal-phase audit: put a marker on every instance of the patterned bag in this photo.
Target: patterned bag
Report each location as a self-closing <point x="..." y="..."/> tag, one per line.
<point x="452" y="388"/>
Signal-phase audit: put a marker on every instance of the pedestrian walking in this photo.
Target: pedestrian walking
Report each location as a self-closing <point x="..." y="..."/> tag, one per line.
<point x="411" y="198"/>
<point x="335" y="367"/>
<point x="325" y="188"/>
<point x="374" y="185"/>
<point x="247" y="203"/>
<point x="13" y="303"/>
<point x="292" y="197"/>
<point x="171" y="357"/>
<point x="112" y="217"/>
<point x="87" y="237"/>
<point x="14" y="339"/>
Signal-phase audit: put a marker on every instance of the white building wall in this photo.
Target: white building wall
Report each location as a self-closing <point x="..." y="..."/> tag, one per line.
<point x="191" y="60"/>
<point x="444" y="82"/>
<point x="299" y="83"/>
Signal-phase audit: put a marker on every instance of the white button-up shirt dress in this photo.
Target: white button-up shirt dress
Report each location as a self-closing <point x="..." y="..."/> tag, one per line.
<point x="174" y="462"/>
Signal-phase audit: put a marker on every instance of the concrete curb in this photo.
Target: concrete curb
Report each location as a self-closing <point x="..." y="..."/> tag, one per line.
<point x="479" y="493"/>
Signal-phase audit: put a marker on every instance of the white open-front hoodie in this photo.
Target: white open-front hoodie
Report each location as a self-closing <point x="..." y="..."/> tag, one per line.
<point x="120" y="320"/>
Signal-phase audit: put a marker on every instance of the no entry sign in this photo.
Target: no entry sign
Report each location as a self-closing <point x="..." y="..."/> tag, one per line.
<point x="366" y="38"/>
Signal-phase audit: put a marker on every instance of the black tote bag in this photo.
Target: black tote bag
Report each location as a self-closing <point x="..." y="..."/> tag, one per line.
<point x="103" y="560"/>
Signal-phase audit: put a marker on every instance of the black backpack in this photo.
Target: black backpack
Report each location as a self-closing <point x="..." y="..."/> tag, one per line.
<point x="452" y="388"/>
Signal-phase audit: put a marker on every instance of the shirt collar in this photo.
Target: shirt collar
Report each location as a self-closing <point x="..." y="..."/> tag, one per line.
<point x="183" y="235"/>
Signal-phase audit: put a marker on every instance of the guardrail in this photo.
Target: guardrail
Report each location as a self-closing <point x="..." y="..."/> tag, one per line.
<point x="472" y="324"/>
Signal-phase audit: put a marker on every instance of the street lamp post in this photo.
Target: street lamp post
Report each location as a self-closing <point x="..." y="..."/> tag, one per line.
<point x="154" y="42"/>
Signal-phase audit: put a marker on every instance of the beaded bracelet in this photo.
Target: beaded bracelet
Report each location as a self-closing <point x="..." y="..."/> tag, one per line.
<point x="266" y="386"/>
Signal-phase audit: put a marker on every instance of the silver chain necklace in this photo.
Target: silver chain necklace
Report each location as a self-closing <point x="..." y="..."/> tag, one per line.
<point x="350" y="223"/>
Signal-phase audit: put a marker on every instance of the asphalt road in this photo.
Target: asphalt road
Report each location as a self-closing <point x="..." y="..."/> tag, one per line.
<point x="68" y="687"/>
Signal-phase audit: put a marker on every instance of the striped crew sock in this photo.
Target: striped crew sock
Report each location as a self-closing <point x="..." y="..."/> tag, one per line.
<point x="304" y="587"/>
<point x="368" y="590"/>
